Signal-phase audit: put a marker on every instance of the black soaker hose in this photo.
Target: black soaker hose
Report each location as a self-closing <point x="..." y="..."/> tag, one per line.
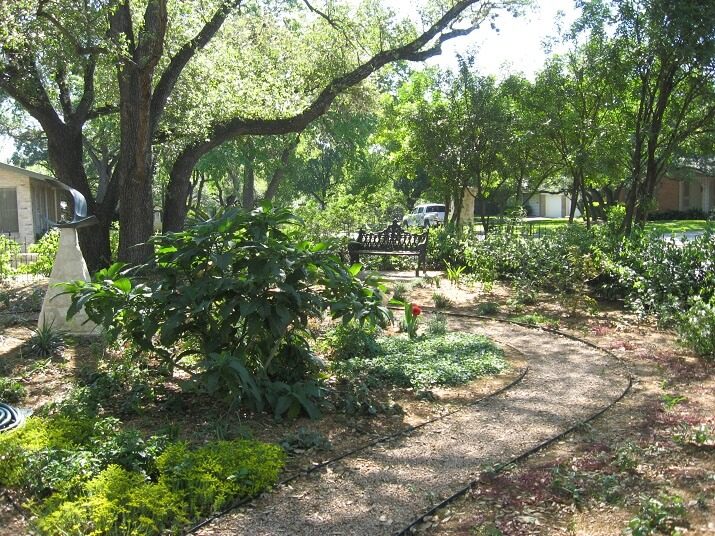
<point x="9" y="418"/>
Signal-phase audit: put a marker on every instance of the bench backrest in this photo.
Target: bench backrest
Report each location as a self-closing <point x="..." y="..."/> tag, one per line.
<point x="393" y="238"/>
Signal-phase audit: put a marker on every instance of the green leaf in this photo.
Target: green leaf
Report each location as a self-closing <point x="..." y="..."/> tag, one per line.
<point x="124" y="284"/>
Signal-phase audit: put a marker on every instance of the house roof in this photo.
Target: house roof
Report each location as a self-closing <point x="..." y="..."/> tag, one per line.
<point x="39" y="176"/>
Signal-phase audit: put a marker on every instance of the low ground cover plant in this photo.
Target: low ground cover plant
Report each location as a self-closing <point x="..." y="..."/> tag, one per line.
<point x="446" y="359"/>
<point x="88" y="475"/>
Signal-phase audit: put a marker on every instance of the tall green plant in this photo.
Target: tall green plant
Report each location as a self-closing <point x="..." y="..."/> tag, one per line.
<point x="229" y="300"/>
<point x="8" y="249"/>
<point x="46" y="250"/>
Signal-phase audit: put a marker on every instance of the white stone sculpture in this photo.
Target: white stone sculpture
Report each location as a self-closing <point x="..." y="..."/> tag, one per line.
<point x="69" y="266"/>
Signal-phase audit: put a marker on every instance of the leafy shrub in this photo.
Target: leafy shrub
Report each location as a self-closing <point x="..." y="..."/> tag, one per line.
<point x="349" y="340"/>
<point x="444" y="246"/>
<point x="8" y="250"/>
<point x="116" y="501"/>
<point x="525" y="293"/>
<point x="487" y="308"/>
<point x="38" y="437"/>
<point x="657" y="276"/>
<point x="290" y="400"/>
<point x="437" y="324"/>
<point x="59" y="453"/>
<point x="304" y="440"/>
<point x="210" y="477"/>
<point x="660" y="515"/>
<point x="353" y="394"/>
<point x="441" y="301"/>
<point x="46" y="249"/>
<point x="91" y="476"/>
<point x="11" y="390"/>
<point x="696" y="327"/>
<point x="450" y="359"/>
<point x="399" y="291"/>
<point x="692" y="214"/>
<point x="229" y="300"/>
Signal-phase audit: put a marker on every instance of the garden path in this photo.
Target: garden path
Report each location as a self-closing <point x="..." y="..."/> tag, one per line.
<point x="382" y="489"/>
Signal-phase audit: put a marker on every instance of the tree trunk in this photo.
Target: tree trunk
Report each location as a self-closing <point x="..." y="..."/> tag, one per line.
<point x="280" y="171"/>
<point x="135" y="167"/>
<point x="135" y="73"/>
<point x="200" y="189"/>
<point x="575" y="189"/>
<point x="249" y="185"/>
<point x="65" y="155"/>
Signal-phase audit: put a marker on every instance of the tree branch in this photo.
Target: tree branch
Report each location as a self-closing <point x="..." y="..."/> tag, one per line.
<point x="151" y="37"/>
<point x="64" y="93"/>
<point x="280" y="171"/>
<point x="238" y="126"/>
<point x="85" y="104"/>
<point x="79" y="48"/>
<point x="323" y="15"/>
<point x="102" y="111"/>
<point x="170" y="76"/>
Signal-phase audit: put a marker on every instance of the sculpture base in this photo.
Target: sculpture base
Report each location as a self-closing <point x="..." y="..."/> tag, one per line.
<point x="69" y="266"/>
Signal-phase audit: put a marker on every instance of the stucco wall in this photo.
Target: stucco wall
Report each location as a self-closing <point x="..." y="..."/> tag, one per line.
<point x="11" y="179"/>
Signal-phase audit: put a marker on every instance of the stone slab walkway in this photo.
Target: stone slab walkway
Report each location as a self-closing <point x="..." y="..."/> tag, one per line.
<point x="382" y="489"/>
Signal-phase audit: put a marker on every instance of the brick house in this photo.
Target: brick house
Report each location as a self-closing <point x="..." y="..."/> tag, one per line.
<point x="29" y="202"/>
<point x="687" y="189"/>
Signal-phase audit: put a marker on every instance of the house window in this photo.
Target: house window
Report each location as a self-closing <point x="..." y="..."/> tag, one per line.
<point x="8" y="211"/>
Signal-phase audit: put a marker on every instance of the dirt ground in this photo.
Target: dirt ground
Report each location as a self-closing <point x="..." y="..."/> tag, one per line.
<point x="644" y="447"/>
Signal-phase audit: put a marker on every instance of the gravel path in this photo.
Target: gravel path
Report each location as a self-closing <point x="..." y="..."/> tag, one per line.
<point x="382" y="489"/>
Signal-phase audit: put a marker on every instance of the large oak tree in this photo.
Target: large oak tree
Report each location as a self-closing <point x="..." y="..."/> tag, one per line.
<point x="182" y="78"/>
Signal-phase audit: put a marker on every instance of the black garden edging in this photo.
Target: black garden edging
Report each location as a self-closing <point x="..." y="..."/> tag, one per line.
<point x="524" y="455"/>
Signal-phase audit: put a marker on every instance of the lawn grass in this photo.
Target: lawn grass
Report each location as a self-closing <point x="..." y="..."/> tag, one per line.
<point x="665" y="227"/>
<point x="668" y="227"/>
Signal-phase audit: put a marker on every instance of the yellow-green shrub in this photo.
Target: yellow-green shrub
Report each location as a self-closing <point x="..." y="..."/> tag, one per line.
<point x="210" y="477"/>
<point x="37" y="434"/>
<point x="116" y="502"/>
<point x="80" y="476"/>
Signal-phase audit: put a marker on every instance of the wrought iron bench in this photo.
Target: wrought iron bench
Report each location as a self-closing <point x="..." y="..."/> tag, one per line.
<point x="392" y="241"/>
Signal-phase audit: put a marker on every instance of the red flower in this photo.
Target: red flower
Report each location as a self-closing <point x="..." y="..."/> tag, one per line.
<point x="416" y="310"/>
